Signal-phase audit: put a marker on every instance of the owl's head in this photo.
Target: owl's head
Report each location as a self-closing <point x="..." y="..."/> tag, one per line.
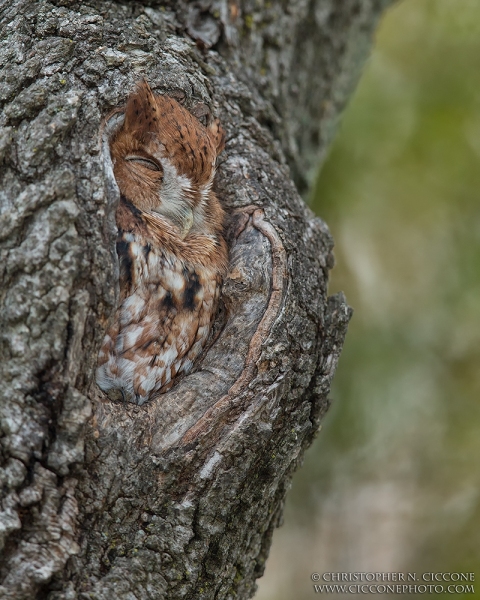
<point x="164" y="159"/>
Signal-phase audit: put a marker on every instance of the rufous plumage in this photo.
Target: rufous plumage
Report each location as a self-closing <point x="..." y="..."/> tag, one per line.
<point x="170" y="245"/>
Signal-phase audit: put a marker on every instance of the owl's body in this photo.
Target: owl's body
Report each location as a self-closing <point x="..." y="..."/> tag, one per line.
<point x="171" y="248"/>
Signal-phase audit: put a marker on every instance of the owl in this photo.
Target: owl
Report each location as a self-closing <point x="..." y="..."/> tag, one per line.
<point x="171" y="246"/>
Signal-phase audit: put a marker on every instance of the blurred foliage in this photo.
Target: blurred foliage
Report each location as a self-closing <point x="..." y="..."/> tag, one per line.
<point x="393" y="481"/>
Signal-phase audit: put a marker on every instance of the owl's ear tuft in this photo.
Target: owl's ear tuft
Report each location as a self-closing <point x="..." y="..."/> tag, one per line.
<point x="140" y="110"/>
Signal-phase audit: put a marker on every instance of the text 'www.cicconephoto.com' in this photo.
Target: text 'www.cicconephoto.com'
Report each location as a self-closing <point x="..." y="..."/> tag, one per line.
<point x="393" y="583"/>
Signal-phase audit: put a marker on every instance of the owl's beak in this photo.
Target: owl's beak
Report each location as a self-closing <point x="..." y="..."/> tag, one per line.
<point x="182" y="218"/>
<point x="187" y="221"/>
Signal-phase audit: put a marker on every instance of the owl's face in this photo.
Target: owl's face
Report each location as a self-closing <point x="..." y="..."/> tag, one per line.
<point x="164" y="159"/>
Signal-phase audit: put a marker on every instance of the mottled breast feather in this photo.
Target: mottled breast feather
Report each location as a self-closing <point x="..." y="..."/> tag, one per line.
<point x="171" y="247"/>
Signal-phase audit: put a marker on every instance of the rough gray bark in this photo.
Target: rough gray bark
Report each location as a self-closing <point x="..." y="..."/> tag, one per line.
<point x="177" y="499"/>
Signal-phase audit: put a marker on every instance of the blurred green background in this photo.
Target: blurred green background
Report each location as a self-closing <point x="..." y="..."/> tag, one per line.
<point x="392" y="483"/>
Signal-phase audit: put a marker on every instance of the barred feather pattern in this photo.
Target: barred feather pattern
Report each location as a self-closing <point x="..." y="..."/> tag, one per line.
<point x="162" y="324"/>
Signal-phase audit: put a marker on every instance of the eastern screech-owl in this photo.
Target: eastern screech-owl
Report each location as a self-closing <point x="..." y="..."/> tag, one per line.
<point x="170" y="245"/>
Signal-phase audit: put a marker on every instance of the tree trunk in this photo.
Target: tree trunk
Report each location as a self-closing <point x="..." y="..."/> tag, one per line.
<point x="177" y="498"/>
